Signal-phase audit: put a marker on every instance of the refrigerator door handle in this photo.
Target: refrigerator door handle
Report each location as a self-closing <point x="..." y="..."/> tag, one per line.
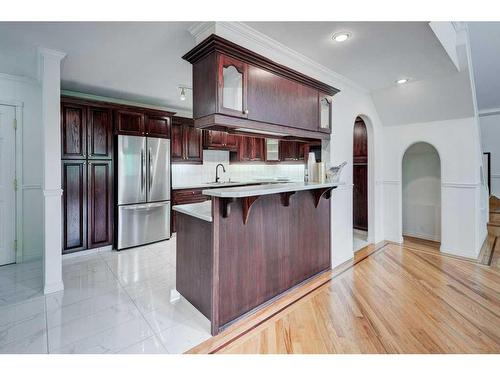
<point x="150" y="170"/>
<point x="142" y="171"/>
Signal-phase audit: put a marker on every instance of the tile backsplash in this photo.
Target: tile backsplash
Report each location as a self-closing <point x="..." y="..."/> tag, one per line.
<point x="187" y="175"/>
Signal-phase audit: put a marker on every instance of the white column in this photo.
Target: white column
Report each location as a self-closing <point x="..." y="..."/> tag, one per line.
<point x="50" y="80"/>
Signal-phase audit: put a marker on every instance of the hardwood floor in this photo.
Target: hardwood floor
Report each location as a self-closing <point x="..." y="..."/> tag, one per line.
<point x="394" y="300"/>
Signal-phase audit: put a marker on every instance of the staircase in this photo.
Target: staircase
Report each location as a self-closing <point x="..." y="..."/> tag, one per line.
<point x="489" y="254"/>
<point x="494" y="222"/>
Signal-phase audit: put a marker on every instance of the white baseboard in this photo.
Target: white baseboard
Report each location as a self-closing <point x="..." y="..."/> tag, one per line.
<point x="52" y="288"/>
<point x="423" y="236"/>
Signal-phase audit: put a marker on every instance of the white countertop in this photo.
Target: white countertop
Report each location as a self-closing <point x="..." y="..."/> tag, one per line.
<point x="249" y="191"/>
<point x="202" y="210"/>
<point x="229" y="184"/>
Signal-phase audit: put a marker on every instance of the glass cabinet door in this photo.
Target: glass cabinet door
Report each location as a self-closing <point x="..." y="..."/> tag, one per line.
<point x="232" y="86"/>
<point x="325" y="113"/>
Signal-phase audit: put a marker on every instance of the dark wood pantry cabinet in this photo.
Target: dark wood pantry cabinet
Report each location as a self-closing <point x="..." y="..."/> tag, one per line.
<point x="87" y="145"/>
<point x="186" y="141"/>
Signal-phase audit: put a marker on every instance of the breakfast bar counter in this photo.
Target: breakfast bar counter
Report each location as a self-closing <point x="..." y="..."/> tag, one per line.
<point x="250" y="244"/>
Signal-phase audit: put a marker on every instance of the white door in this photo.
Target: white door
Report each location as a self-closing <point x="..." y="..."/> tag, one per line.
<point x="7" y="191"/>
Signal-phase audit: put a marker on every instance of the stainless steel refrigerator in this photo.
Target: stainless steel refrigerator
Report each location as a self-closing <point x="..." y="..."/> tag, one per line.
<point x="143" y="190"/>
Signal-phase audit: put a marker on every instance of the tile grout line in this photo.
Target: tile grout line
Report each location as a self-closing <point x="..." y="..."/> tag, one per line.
<point x="138" y="309"/>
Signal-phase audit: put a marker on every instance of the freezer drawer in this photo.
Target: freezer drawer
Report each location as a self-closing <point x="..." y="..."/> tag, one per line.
<point x="139" y="224"/>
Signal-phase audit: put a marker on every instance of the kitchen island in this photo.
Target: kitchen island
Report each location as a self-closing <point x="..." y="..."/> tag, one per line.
<point x="249" y="244"/>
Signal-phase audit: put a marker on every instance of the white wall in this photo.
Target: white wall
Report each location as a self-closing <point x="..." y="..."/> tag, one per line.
<point x="422" y="192"/>
<point x="490" y="139"/>
<point x="185" y="175"/>
<point x="462" y="232"/>
<point x="27" y="91"/>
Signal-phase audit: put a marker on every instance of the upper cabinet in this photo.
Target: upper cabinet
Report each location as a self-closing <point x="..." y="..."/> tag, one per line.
<point x="186" y="142"/>
<point x="99" y="133"/>
<point x="219" y="140"/>
<point x="142" y="122"/>
<point x="236" y="88"/>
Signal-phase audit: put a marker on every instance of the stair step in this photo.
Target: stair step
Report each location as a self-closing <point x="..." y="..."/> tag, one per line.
<point x="487" y="250"/>
<point x="494" y="217"/>
<point x="494" y="229"/>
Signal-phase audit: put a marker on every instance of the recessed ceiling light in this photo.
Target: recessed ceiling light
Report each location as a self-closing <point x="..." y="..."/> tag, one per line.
<point x="402" y="81"/>
<point x="341" y="37"/>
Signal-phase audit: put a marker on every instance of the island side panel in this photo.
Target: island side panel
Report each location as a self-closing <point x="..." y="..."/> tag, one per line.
<point x="194" y="261"/>
<point x="276" y="249"/>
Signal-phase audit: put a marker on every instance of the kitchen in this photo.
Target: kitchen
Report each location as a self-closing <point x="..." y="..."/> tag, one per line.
<point x="135" y="176"/>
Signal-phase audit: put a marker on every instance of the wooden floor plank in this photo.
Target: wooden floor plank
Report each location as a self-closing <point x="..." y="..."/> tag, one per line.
<point x="394" y="301"/>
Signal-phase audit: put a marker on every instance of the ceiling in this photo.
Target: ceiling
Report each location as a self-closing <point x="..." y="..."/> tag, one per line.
<point x="377" y="54"/>
<point x="485" y="51"/>
<point x="142" y="62"/>
<point x="127" y="60"/>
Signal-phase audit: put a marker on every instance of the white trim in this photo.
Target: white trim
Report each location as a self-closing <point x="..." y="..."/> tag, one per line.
<point x="52" y="192"/>
<point x="52" y="288"/>
<point x="423" y="236"/>
<point x="459" y="185"/>
<point x="178" y="111"/>
<point x="489" y="112"/>
<point x="202" y="30"/>
<point x="390" y="182"/>
<point x="16" y="78"/>
<point x="32" y="187"/>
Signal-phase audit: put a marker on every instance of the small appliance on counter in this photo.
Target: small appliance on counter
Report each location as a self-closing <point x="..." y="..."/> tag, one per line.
<point x="143" y="190"/>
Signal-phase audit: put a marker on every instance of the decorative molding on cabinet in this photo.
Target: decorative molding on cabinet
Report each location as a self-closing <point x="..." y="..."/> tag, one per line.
<point x="268" y="47"/>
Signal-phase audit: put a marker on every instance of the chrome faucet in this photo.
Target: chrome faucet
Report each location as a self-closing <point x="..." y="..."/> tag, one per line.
<point x="217" y="178"/>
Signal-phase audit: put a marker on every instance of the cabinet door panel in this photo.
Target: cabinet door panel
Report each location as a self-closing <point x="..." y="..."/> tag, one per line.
<point x="129" y="122"/>
<point x="73" y="131"/>
<point x="278" y="100"/>
<point x="100" y="203"/>
<point x="193" y="144"/>
<point x="360" y="195"/>
<point x="258" y="149"/>
<point x="99" y="133"/>
<point x="158" y="126"/>
<point x="232" y="86"/>
<point x="231" y="142"/>
<point x="289" y="151"/>
<point x="176" y="141"/>
<point x="214" y="140"/>
<point x="74" y="204"/>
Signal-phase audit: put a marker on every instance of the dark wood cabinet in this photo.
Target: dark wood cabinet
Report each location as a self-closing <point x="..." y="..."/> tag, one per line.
<point x="360" y="175"/>
<point x="186" y="142"/>
<point x="279" y="100"/>
<point x="219" y="140"/>
<point x="186" y="196"/>
<point x="74" y="199"/>
<point x="73" y="131"/>
<point x="157" y="126"/>
<point x="128" y="122"/>
<point x="100" y="203"/>
<point x="250" y="149"/>
<point x="99" y="133"/>
<point x="292" y="151"/>
<point x="234" y="87"/>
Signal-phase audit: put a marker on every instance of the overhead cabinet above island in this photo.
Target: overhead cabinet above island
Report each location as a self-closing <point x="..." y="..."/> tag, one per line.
<point x="235" y="88"/>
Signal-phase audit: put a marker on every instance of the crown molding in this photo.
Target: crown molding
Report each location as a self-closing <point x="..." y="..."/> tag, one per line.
<point x="15" y="78"/>
<point x="239" y="31"/>
<point x="489" y="112"/>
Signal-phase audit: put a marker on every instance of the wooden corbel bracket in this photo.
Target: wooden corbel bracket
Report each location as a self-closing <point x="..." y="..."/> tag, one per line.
<point x="246" y="205"/>
<point x="226" y="206"/>
<point x="285" y="197"/>
<point x="318" y="193"/>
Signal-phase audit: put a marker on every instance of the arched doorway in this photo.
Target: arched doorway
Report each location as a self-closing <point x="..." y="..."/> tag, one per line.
<point x="360" y="184"/>
<point x="421" y="195"/>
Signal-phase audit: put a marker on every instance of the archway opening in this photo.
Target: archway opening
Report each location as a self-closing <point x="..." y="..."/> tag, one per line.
<point x="360" y="184"/>
<point x="421" y="195"/>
